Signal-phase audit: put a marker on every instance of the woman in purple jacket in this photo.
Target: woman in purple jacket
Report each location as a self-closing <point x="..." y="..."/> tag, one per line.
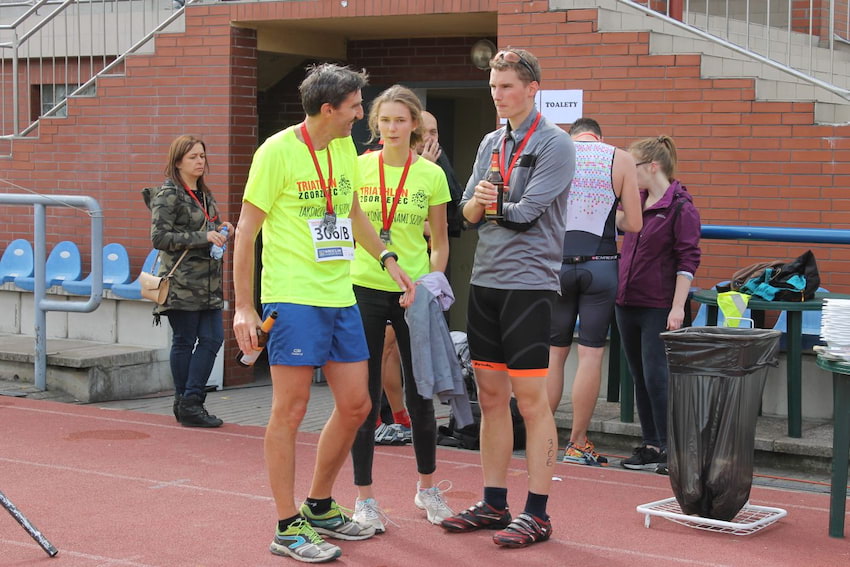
<point x="655" y="271"/>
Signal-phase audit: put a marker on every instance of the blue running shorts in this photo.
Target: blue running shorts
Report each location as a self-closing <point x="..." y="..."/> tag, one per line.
<point x="304" y="335"/>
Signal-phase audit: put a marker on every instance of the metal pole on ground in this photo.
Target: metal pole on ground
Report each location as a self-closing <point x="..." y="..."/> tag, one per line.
<point x="31" y="529"/>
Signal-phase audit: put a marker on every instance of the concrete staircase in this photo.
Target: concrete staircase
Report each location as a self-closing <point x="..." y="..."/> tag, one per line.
<point x="719" y="61"/>
<point x="111" y="353"/>
<point x="91" y="39"/>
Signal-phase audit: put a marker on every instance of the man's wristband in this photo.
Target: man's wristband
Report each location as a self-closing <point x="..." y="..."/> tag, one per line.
<point x="387" y="254"/>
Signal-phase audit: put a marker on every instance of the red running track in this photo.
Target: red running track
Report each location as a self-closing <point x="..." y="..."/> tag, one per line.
<point x="118" y="488"/>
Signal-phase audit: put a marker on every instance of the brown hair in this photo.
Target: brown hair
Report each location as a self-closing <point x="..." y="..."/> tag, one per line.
<point x="408" y="98"/>
<point x="526" y="65"/>
<point x="661" y="150"/>
<point x="331" y="83"/>
<point x="181" y="146"/>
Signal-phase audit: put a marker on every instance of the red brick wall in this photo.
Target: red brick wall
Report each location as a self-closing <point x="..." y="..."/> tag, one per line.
<point x="746" y="162"/>
<point x="416" y="60"/>
<point x="842" y="21"/>
<point x="818" y="13"/>
<point x="814" y="16"/>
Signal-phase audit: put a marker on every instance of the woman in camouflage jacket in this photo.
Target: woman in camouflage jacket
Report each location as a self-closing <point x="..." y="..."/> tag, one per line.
<point x="185" y="218"/>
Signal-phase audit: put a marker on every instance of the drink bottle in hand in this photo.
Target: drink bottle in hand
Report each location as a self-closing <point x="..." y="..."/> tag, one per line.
<point x="216" y="251"/>
<point x="248" y="359"/>
<point x="494" y="211"/>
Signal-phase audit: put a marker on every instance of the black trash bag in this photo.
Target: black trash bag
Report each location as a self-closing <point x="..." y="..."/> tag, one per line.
<point x="717" y="377"/>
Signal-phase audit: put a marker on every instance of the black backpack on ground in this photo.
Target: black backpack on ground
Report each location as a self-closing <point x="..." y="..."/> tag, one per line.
<point x="469" y="437"/>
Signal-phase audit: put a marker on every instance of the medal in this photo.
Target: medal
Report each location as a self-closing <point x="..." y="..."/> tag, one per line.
<point x="329" y="222"/>
<point x="388" y="217"/>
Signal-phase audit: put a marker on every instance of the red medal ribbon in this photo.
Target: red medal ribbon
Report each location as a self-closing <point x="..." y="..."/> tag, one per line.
<point x="388" y="220"/>
<point x="507" y="175"/>
<point x="195" y="198"/>
<point x="325" y="186"/>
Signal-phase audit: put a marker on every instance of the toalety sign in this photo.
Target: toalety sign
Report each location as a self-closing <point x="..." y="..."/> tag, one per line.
<point x="560" y="107"/>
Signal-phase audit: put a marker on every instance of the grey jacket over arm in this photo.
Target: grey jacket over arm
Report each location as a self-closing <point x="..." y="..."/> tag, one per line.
<point x="436" y="368"/>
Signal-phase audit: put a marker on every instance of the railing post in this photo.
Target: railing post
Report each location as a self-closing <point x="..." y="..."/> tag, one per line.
<point x="40" y="303"/>
<point x="15" y="85"/>
<point x="39" y="314"/>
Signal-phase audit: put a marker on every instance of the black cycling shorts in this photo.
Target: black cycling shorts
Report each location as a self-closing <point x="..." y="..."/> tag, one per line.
<point x="588" y="292"/>
<point x="508" y="329"/>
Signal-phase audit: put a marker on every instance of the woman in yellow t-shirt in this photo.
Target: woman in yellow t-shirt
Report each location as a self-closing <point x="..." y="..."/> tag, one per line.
<point x="399" y="191"/>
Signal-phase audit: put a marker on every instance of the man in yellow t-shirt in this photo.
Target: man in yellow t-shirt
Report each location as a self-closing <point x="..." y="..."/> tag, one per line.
<point x="300" y="191"/>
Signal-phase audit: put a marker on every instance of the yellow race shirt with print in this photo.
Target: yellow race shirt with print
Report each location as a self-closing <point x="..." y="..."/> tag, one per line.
<point x="424" y="187"/>
<point x="284" y="184"/>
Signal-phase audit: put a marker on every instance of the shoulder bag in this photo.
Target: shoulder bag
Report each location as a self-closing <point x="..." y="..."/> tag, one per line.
<point x="744" y="275"/>
<point x="156" y="288"/>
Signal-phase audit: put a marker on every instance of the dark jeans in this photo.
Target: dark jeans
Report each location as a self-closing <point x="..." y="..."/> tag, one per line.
<point x="640" y="329"/>
<point x="197" y="336"/>
<point x="376" y="308"/>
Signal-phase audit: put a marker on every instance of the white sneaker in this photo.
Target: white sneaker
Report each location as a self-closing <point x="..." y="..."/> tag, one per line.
<point x="367" y="513"/>
<point x="385" y="434"/>
<point x="431" y="500"/>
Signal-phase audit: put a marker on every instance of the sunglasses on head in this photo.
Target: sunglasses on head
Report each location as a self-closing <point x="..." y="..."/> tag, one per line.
<point x="512" y="56"/>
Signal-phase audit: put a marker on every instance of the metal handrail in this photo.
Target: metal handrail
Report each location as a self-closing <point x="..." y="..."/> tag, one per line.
<point x="118" y="61"/>
<point x="776" y="234"/>
<point x="40" y="303"/>
<point x="91" y="37"/>
<point x="745" y="50"/>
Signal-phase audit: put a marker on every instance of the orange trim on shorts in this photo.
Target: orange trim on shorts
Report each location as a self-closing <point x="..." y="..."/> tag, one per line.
<point x="528" y="373"/>
<point x="484" y="365"/>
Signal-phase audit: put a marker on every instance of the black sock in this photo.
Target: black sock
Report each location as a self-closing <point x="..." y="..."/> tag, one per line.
<point x="319" y="506"/>
<point x="536" y="505"/>
<point x="496" y="497"/>
<point x="283" y="524"/>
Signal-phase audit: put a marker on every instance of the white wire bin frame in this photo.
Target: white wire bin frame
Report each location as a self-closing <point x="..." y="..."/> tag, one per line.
<point x="748" y="521"/>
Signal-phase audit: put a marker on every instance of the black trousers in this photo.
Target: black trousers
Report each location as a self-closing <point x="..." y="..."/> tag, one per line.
<point x="376" y="308"/>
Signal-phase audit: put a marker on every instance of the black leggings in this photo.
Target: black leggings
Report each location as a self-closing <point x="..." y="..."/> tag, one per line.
<point x="376" y="308"/>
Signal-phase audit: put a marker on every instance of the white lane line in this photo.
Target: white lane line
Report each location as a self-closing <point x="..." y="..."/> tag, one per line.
<point x="199" y="430"/>
<point x="666" y="558"/>
<point x="102" y="561"/>
<point x="154" y="483"/>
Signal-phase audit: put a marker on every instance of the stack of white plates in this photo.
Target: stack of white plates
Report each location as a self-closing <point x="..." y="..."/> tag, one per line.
<point x="835" y="328"/>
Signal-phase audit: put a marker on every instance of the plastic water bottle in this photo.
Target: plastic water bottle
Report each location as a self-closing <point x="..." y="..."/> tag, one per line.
<point x="216" y="251"/>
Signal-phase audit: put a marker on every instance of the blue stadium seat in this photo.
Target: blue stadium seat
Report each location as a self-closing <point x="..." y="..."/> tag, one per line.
<point x="17" y="261"/>
<point x="133" y="290"/>
<point x="116" y="270"/>
<point x="811" y="328"/>
<point x="63" y="264"/>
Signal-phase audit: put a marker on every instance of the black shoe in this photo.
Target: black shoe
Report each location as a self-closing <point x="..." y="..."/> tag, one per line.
<point x="191" y="413"/>
<point x="204" y="407"/>
<point x="482" y="516"/>
<point x="645" y="458"/>
<point x="523" y="531"/>
<point x="176" y="407"/>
